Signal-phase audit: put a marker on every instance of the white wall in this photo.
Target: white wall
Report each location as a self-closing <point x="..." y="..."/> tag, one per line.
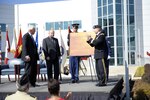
<point x="146" y="26"/>
<point x="56" y="11"/>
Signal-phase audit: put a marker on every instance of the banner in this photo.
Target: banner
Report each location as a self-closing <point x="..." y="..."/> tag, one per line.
<point x="79" y="45"/>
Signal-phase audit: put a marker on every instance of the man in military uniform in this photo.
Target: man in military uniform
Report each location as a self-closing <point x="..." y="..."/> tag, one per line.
<point x="22" y="89"/>
<point x="74" y="60"/>
<point x="100" y="54"/>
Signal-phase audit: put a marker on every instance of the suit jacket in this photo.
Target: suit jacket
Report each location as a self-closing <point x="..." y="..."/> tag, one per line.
<point x="29" y="47"/>
<point x="20" y="96"/>
<point x="51" y="48"/>
<point x="99" y="43"/>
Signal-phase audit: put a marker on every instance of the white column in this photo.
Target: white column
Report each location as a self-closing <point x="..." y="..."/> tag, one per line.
<point x="126" y="52"/>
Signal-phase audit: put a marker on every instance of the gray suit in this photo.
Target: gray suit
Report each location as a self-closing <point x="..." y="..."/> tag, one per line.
<point x="52" y="50"/>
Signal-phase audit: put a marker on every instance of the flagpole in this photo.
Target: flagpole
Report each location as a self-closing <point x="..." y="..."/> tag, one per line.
<point x="126" y="52"/>
<point x="60" y="58"/>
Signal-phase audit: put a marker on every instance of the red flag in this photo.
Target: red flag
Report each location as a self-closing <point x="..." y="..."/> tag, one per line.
<point x="69" y="30"/>
<point x="7" y="48"/>
<point x="148" y="53"/>
<point x="19" y="46"/>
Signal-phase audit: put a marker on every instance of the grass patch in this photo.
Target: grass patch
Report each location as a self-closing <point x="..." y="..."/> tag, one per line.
<point x="139" y="72"/>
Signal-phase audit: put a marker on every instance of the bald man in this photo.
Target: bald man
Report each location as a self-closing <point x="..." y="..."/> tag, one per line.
<point x="30" y="55"/>
<point x="52" y="54"/>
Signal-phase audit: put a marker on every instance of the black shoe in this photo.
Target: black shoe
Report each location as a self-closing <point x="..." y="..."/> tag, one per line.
<point x="100" y="84"/>
<point x="35" y="85"/>
<point x="73" y="81"/>
<point x="76" y="81"/>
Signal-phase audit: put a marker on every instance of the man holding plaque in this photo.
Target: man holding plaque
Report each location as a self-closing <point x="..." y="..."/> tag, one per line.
<point x="100" y="54"/>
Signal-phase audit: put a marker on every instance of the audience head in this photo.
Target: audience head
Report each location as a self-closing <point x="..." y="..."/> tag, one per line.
<point x="53" y="87"/>
<point x="23" y="84"/>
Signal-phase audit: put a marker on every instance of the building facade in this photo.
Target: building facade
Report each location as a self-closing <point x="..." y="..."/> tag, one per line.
<point x="107" y="13"/>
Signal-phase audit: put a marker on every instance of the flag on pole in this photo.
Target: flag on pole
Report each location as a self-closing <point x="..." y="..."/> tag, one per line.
<point x="7" y="48"/>
<point x="148" y="53"/>
<point x="37" y="38"/>
<point x="14" y="43"/>
<point x="19" y="46"/>
<point x="0" y="47"/>
<point x="63" y="52"/>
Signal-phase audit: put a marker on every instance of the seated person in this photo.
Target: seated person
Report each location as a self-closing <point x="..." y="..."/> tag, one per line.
<point x="54" y="90"/>
<point x="22" y="89"/>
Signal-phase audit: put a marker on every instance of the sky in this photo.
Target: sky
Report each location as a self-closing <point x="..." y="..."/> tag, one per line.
<point x="25" y="1"/>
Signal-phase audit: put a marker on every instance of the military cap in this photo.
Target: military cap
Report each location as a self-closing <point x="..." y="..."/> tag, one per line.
<point x="97" y="26"/>
<point x="75" y="25"/>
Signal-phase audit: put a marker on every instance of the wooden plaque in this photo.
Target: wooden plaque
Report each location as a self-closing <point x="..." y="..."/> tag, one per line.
<point x="78" y="44"/>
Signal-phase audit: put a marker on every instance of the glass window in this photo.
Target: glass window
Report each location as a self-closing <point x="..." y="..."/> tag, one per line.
<point x="119" y="30"/>
<point x="119" y="41"/>
<point x="99" y="3"/>
<point x="104" y="10"/>
<point x="66" y="25"/>
<point x="131" y="20"/>
<point x="120" y="61"/>
<point x="99" y="12"/>
<point x="110" y="1"/>
<point x="132" y="47"/>
<point x="118" y="1"/>
<point x="110" y="19"/>
<point x="118" y="8"/>
<point x="119" y="51"/>
<point x="112" y="50"/>
<point x="132" y="41"/>
<point x="132" y="31"/>
<point x="110" y="9"/>
<point x="111" y="31"/>
<point x="111" y="61"/>
<point x="111" y="41"/>
<point x="49" y="26"/>
<point x="104" y="2"/>
<point x="70" y="24"/>
<point x="3" y="27"/>
<point x="118" y="19"/>
<point x="105" y="21"/>
<point x="56" y="25"/>
<point x="131" y="1"/>
<point x="131" y="9"/>
<point x="100" y="21"/>
<point x="132" y="57"/>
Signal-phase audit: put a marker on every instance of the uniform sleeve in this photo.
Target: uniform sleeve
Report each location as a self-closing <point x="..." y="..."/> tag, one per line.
<point x="98" y="40"/>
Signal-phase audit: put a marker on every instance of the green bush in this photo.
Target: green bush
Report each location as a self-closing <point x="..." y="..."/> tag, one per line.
<point x="139" y="72"/>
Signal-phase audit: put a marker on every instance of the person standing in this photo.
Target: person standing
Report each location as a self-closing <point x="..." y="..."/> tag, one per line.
<point x="29" y="55"/>
<point x="52" y="54"/>
<point x="74" y="60"/>
<point x="100" y="54"/>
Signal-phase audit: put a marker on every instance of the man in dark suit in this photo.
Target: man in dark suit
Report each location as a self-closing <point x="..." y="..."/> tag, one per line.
<point x="30" y="55"/>
<point x="100" y="54"/>
<point x="52" y="54"/>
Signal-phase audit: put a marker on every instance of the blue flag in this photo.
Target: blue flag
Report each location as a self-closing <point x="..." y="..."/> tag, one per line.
<point x="37" y="38"/>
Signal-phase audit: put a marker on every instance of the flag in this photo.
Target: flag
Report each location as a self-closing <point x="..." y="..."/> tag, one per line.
<point x="19" y="46"/>
<point x="0" y="47"/>
<point x="14" y="43"/>
<point x="148" y="53"/>
<point x="69" y="30"/>
<point x="63" y="52"/>
<point x="37" y="39"/>
<point x="7" y="48"/>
